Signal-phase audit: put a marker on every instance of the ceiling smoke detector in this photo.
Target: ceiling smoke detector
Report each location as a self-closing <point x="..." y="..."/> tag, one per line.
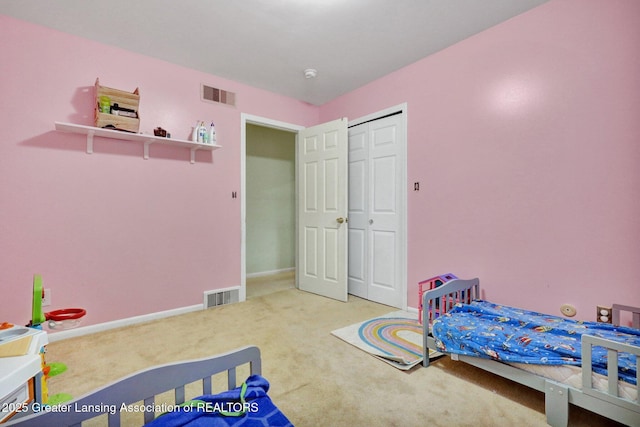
<point x="310" y="73"/>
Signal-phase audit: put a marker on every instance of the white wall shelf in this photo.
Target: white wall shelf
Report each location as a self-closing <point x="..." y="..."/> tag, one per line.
<point x="147" y="140"/>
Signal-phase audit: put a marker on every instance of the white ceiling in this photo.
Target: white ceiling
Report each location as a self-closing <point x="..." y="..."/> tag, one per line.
<point x="269" y="43"/>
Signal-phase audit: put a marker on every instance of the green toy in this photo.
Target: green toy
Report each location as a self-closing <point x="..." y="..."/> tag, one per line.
<point x="37" y="316"/>
<point x="49" y="369"/>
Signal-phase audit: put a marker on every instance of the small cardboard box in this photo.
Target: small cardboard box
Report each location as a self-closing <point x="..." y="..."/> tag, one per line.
<point x="128" y="100"/>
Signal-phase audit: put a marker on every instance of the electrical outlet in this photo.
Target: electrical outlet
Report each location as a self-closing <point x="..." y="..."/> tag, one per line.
<point x="46" y="297"/>
<point x="604" y="314"/>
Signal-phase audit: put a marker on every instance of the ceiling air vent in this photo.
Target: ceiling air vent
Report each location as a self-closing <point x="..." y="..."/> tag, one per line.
<point x="219" y="96"/>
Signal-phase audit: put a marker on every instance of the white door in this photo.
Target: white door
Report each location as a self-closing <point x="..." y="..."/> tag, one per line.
<point x="375" y="211"/>
<point x="322" y="209"/>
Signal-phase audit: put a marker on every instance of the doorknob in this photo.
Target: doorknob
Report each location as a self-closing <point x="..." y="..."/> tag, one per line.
<point x="340" y="220"/>
<point x="370" y="221"/>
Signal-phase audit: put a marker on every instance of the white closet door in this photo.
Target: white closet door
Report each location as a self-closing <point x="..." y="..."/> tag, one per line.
<point x="375" y="211"/>
<point x="358" y="210"/>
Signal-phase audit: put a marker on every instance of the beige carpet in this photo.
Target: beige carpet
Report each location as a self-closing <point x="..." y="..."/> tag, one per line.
<point x="263" y="285"/>
<point x="316" y="378"/>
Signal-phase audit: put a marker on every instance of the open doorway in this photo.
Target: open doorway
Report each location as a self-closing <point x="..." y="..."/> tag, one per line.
<point x="270" y="209"/>
<point x="268" y="205"/>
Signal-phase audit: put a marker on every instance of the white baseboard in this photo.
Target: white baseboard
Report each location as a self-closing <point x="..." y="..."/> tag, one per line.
<point x="100" y="327"/>
<point x="412" y="310"/>
<point x="269" y="273"/>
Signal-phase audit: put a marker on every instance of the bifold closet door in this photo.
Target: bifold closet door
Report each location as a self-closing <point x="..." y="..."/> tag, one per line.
<point x="375" y="211"/>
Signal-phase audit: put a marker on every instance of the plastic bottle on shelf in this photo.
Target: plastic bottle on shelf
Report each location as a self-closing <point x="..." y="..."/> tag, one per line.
<point x="212" y="134"/>
<point x="205" y="134"/>
<point x="202" y="134"/>
<point x="194" y="133"/>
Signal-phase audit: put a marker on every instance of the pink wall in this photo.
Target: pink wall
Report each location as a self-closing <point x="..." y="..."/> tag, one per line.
<point x="111" y="232"/>
<point x="525" y="139"/>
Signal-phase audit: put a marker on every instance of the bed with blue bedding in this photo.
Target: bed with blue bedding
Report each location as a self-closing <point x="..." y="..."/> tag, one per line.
<point x="512" y="335"/>
<point x="531" y="348"/>
<point x="247" y="405"/>
<point x="140" y="394"/>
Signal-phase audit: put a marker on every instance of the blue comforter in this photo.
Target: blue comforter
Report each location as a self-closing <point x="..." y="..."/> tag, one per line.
<point x="245" y="406"/>
<point x="513" y="335"/>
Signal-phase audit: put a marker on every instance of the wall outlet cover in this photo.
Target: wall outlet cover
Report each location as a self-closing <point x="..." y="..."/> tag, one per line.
<point x="603" y="314"/>
<point x="46" y="298"/>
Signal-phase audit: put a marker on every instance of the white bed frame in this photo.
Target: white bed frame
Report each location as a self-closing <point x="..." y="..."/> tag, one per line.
<point x="143" y="386"/>
<point x="558" y="396"/>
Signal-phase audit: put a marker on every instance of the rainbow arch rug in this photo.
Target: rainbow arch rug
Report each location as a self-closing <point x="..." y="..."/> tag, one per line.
<point x="395" y="338"/>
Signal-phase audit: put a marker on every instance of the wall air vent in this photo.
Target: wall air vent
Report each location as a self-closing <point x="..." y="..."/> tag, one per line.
<point x="221" y="297"/>
<point x="219" y="96"/>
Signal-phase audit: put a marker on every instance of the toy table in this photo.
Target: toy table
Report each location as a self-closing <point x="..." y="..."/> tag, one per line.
<point x="20" y="375"/>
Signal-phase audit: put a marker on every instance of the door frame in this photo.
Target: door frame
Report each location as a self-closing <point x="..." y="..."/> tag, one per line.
<point x="264" y="122"/>
<point x="403" y="264"/>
